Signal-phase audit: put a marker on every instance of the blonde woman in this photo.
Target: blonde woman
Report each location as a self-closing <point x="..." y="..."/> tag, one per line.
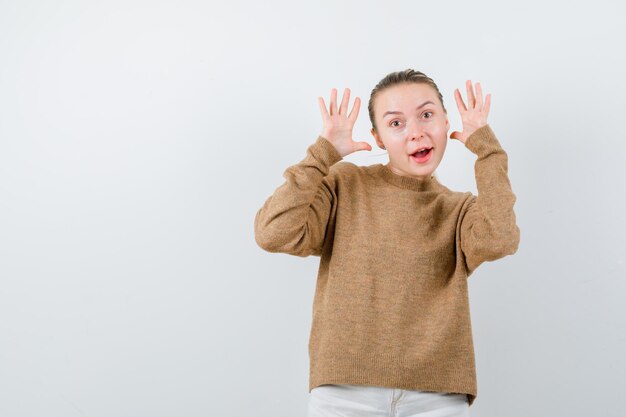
<point x="391" y="331"/>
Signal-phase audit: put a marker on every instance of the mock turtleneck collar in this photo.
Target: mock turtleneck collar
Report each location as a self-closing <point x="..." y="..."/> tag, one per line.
<point x="408" y="183"/>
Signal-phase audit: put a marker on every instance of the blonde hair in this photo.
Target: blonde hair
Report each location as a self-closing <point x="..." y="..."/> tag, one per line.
<point x="400" y="77"/>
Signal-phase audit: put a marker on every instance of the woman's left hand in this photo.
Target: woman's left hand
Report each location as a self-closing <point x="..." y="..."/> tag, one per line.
<point x="475" y="116"/>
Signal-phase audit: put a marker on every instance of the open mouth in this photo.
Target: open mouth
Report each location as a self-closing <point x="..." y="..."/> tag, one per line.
<point x="423" y="155"/>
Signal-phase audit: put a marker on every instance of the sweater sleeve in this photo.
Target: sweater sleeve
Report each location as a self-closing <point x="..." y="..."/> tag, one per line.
<point x="294" y="218"/>
<point x="488" y="224"/>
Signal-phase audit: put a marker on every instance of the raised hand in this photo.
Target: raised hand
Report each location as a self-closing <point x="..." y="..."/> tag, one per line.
<point x="473" y="117"/>
<point x="338" y="126"/>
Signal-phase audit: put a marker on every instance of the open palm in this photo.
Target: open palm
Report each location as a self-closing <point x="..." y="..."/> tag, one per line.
<point x="474" y="116"/>
<point x="338" y="124"/>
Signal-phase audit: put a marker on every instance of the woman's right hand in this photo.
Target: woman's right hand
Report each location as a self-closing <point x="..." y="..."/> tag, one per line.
<point x="338" y="126"/>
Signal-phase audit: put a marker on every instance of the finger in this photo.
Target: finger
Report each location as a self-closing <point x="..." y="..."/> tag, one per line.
<point x="333" y="101"/>
<point x="487" y="104"/>
<point x="355" y="110"/>
<point x="479" y="96"/>
<point x="471" y="100"/>
<point x="344" y="101"/>
<point x="459" y="101"/>
<point x="363" y="146"/>
<point x="323" y="110"/>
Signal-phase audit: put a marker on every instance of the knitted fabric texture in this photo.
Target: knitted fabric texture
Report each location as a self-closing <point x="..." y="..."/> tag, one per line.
<point x="391" y="303"/>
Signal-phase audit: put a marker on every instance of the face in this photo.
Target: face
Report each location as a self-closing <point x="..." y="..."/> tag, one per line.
<point x="409" y="117"/>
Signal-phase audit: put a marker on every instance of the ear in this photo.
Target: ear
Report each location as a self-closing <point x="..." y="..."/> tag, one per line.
<point x="379" y="142"/>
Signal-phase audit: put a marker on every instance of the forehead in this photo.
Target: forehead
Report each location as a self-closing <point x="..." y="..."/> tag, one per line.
<point x="405" y="96"/>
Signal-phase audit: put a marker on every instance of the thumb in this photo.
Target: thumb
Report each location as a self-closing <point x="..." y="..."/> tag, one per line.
<point x="363" y="146"/>
<point x="455" y="135"/>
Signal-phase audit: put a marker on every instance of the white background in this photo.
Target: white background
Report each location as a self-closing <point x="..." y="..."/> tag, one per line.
<point x="139" y="138"/>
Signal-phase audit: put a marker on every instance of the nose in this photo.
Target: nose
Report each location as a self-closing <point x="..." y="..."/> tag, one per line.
<point x="414" y="130"/>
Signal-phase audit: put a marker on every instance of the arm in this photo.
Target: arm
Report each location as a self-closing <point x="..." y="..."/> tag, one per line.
<point x="294" y="218"/>
<point x="488" y="225"/>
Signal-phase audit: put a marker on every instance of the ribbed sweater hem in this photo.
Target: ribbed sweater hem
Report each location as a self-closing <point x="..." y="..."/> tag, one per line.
<point x="393" y="371"/>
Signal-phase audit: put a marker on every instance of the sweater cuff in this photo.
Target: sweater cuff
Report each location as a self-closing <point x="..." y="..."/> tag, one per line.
<point x="483" y="142"/>
<point x="325" y="152"/>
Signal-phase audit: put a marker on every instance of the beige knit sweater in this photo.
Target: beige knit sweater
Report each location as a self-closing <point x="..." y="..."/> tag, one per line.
<point x="391" y="304"/>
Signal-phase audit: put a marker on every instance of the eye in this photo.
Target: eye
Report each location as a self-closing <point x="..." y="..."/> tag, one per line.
<point x="429" y="112"/>
<point x="392" y="123"/>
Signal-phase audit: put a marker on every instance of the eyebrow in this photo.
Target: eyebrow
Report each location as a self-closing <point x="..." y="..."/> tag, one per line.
<point x="399" y="112"/>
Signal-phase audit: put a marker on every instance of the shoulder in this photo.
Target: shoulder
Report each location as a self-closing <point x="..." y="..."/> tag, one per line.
<point x="456" y="199"/>
<point x="463" y="198"/>
<point x="350" y="173"/>
<point x="345" y="176"/>
<point x="344" y="170"/>
<point x="461" y="201"/>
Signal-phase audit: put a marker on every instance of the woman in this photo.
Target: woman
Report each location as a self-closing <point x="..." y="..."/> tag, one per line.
<point x="391" y="330"/>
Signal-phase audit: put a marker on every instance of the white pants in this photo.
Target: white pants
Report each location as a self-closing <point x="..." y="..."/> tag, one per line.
<point x="372" y="401"/>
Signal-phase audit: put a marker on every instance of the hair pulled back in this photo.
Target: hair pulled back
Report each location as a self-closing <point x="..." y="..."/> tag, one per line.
<point x="400" y="77"/>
